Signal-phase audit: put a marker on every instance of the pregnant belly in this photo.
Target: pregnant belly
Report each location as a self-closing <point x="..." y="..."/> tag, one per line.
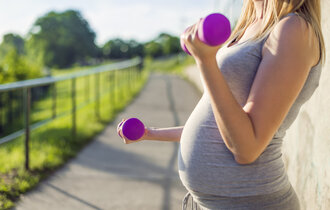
<point x="206" y="165"/>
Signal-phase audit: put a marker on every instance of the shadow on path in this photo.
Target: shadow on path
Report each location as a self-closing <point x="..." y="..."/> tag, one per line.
<point x="72" y="196"/>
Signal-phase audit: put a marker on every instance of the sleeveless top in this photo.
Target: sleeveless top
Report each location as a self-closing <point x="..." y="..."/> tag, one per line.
<point x="205" y="164"/>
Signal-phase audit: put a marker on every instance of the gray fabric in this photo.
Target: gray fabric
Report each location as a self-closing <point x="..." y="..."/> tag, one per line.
<point x="206" y="166"/>
<point x="285" y="199"/>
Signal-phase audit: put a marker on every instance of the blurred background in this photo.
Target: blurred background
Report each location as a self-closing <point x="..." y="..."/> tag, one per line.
<point x="59" y="34"/>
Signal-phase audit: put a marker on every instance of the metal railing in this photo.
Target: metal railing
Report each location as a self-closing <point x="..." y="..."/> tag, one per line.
<point x="127" y="72"/>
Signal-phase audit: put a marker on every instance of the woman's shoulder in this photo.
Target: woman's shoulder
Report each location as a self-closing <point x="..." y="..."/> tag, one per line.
<point x="293" y="33"/>
<point x="293" y="25"/>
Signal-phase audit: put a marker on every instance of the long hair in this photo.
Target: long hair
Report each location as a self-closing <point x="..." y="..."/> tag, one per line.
<point x="273" y="11"/>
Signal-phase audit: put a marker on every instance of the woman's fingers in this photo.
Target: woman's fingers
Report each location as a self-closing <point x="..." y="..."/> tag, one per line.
<point x="196" y="27"/>
<point x="186" y="34"/>
<point x="119" y="127"/>
<point x="126" y="140"/>
<point x="190" y="34"/>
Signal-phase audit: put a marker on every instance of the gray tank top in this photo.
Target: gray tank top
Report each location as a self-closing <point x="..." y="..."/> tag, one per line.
<point x="205" y="163"/>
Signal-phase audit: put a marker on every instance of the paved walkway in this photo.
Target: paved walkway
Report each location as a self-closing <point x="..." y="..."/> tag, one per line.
<point x="108" y="174"/>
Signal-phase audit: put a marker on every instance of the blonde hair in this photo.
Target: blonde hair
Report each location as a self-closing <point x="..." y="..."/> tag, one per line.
<point x="274" y="10"/>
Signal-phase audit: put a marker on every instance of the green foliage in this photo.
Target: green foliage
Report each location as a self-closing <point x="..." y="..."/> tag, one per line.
<point x="5" y="203"/>
<point x="153" y="49"/>
<point x="61" y="39"/>
<point x="16" y="67"/>
<point x="163" y="45"/>
<point x="119" y="48"/>
<point x="170" y="44"/>
<point x="11" y="42"/>
<point x="13" y="184"/>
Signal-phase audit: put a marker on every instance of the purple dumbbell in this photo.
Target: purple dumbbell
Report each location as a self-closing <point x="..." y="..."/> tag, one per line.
<point x="132" y="128"/>
<point x="213" y="30"/>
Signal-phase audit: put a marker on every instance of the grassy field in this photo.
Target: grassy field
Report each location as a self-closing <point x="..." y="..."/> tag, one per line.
<point x="52" y="145"/>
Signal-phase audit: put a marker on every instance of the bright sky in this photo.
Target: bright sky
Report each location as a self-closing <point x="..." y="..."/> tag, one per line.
<point x="141" y="20"/>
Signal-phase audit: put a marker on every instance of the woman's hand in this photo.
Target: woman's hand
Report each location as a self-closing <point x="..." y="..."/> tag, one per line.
<point x="126" y="140"/>
<point x="199" y="50"/>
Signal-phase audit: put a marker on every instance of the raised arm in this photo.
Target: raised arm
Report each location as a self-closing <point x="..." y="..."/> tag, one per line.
<point x="288" y="56"/>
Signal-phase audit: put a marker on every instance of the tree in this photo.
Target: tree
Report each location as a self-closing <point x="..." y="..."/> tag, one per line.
<point x="153" y="49"/>
<point x="9" y="42"/>
<point x="119" y="48"/>
<point x="136" y="49"/>
<point x="164" y="44"/>
<point x="16" y="67"/>
<point x="170" y="44"/>
<point x="61" y="39"/>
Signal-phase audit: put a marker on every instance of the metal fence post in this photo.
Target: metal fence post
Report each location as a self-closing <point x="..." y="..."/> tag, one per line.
<point x="87" y="88"/>
<point x="120" y="85"/>
<point x="115" y="89"/>
<point x="127" y="83"/>
<point x="10" y="108"/>
<point x="1" y="114"/>
<point x="130" y="80"/>
<point x="135" y="79"/>
<point x="73" y="98"/>
<point x="27" y="106"/>
<point x="111" y="76"/>
<point x="97" y="95"/>
<point x="54" y="100"/>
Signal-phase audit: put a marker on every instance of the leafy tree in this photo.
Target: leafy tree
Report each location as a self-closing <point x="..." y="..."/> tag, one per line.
<point x="119" y="48"/>
<point x="16" y="67"/>
<point x="153" y="49"/>
<point x="116" y="48"/>
<point x="9" y="42"/>
<point x="61" y="39"/>
<point x="164" y="44"/>
<point x="136" y="49"/>
<point x="170" y="44"/>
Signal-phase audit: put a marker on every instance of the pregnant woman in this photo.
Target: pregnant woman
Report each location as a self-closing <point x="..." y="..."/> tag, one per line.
<point x="254" y="85"/>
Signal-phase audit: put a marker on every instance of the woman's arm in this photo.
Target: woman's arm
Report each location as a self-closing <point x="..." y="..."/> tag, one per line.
<point x="164" y="134"/>
<point x="172" y="134"/>
<point x="287" y="59"/>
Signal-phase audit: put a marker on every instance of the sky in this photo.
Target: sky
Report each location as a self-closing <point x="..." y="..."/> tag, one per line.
<point x="142" y="20"/>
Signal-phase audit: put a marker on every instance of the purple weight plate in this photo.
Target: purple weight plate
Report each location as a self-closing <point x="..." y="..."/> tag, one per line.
<point x="214" y="29"/>
<point x="133" y="129"/>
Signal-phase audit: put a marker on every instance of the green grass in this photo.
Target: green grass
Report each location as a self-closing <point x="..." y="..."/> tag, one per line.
<point x="52" y="145"/>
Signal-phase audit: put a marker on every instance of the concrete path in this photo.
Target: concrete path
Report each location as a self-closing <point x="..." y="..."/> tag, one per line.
<point x="108" y="174"/>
